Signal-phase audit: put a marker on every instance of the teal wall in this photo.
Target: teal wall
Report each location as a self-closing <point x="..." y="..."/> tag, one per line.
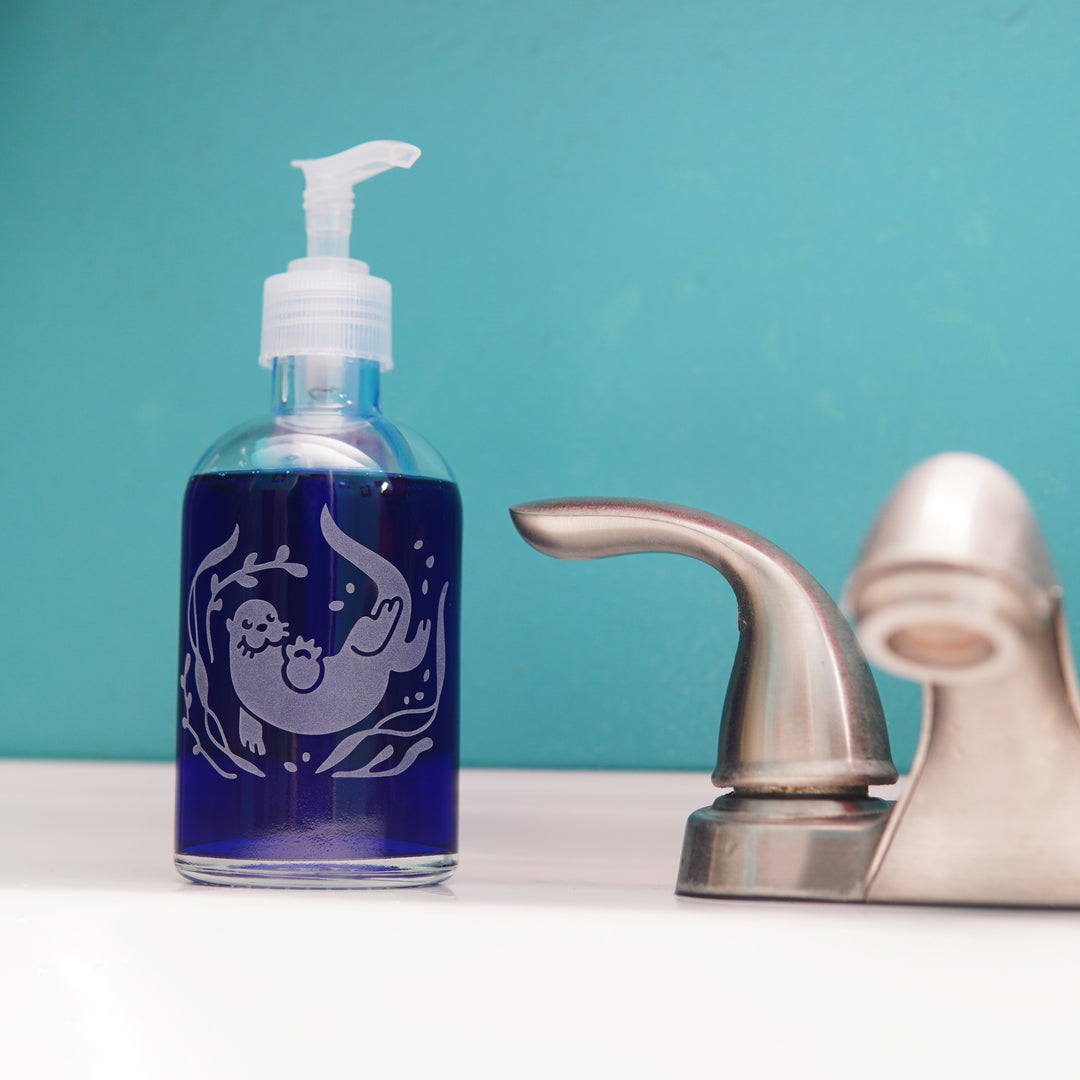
<point x="756" y="256"/>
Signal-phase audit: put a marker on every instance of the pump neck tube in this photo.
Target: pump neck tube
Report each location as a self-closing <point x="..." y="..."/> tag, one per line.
<point x="325" y="385"/>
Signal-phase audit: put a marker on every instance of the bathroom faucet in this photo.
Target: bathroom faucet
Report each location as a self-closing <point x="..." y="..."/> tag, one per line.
<point x="954" y="588"/>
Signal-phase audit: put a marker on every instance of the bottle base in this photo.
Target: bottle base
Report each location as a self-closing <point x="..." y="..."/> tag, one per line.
<point x="392" y="873"/>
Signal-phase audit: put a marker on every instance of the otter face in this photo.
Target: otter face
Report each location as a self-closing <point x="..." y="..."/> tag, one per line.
<point x="254" y="626"/>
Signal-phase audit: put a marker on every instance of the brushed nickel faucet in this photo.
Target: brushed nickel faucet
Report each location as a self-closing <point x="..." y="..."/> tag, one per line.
<point x="955" y="589"/>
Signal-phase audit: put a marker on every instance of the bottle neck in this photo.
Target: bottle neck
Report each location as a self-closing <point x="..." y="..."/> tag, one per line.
<point x="326" y="386"/>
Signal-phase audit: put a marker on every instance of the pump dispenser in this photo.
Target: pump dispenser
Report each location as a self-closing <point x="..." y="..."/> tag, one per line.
<point x="317" y="741"/>
<point x="329" y="304"/>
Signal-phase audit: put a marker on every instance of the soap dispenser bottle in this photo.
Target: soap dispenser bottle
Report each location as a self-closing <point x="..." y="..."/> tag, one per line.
<point x="318" y="708"/>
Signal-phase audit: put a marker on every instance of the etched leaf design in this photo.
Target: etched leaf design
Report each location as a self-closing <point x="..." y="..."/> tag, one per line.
<point x="251" y="559"/>
<point x="202" y="682"/>
<point x="215" y="730"/>
<point x="246" y="765"/>
<point x="282" y="553"/>
<point x="345" y="748"/>
<point x="221" y="552"/>
<point x="410" y="755"/>
<point x="247" y="581"/>
<point x="215" y="583"/>
<point x="295" y="568"/>
<point x="380" y="757"/>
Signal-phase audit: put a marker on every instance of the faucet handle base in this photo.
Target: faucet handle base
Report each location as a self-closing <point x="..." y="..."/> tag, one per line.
<point x="795" y="847"/>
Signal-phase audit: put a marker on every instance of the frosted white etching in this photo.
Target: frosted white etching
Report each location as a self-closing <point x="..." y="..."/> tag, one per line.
<point x="290" y="684"/>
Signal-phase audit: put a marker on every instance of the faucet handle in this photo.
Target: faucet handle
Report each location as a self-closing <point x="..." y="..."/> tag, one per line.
<point x="802" y="711"/>
<point x="802" y="732"/>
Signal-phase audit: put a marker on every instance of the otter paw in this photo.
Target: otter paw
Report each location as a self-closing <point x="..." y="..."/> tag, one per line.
<point x="251" y="733"/>
<point x="389" y="610"/>
<point x="370" y="634"/>
<point x="303" y="670"/>
<point x="303" y="649"/>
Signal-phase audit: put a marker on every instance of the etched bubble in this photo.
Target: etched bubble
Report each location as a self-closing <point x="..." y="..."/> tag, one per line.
<point x="306" y="756"/>
<point x="419" y="695"/>
<point x="423" y="587"/>
<point x="290" y="766"/>
<point x="430" y="561"/>
<point x="350" y="588"/>
<point x="418" y="545"/>
<point x="427" y="674"/>
<point x="336" y="605"/>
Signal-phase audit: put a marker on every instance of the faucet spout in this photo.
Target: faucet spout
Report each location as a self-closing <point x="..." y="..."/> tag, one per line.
<point x="955" y="589"/>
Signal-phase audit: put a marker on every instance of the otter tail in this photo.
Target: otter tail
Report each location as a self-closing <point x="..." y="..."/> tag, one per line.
<point x="388" y="579"/>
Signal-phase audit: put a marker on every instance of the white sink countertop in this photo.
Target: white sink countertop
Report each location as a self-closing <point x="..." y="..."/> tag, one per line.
<point x="558" y="948"/>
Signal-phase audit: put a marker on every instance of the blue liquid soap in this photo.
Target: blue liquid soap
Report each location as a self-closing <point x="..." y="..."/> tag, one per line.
<point x="318" y="692"/>
<point x="322" y="742"/>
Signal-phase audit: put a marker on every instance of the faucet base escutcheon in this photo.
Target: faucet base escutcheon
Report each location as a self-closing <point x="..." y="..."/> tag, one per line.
<point x="796" y="847"/>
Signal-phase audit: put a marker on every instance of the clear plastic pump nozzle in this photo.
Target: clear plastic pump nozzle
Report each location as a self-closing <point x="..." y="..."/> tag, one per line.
<point x="328" y="196"/>
<point x="327" y="305"/>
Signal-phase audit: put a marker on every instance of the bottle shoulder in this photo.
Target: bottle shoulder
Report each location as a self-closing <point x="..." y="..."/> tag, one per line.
<point x="371" y="445"/>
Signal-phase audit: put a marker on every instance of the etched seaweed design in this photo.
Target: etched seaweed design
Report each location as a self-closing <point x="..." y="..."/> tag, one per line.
<point x="246" y="578"/>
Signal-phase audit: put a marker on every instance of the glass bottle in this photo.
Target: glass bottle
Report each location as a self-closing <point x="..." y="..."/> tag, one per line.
<point x="318" y="718"/>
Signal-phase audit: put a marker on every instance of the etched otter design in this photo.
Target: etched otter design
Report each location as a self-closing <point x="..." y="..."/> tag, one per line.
<point x="291" y="685"/>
